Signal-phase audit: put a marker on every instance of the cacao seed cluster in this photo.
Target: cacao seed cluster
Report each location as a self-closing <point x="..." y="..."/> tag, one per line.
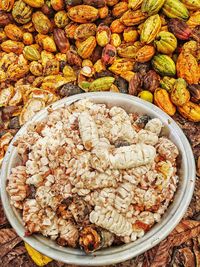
<point x="50" y="49"/>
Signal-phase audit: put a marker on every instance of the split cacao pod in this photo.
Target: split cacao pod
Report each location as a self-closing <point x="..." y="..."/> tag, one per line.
<point x="164" y="65"/>
<point x="150" y="29"/>
<point x="175" y="9"/>
<point x="165" y="42"/>
<point x="179" y="94"/>
<point x="187" y="68"/>
<point x="190" y="111"/>
<point x="152" y="7"/>
<point x="83" y="13"/>
<point x="162" y="100"/>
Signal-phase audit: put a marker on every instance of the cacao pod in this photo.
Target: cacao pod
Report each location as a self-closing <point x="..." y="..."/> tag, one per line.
<point x="95" y="3"/>
<point x="150" y="29"/>
<point x="187" y="68"/>
<point x="73" y="58"/>
<point x="135" y="84"/>
<point x="16" y="71"/>
<point x="194" y="20"/>
<point x="194" y="89"/>
<point x="48" y="44"/>
<point x="83" y="14"/>
<point x="134" y="4"/>
<point x="128" y="50"/>
<point x="61" y="40"/>
<point x="87" y="47"/>
<point x="103" y="12"/>
<point x="108" y="54"/>
<point x="84" y="31"/>
<point x="130" y="34"/>
<point x="175" y="9"/>
<point x="34" y="3"/>
<point x="151" y="7"/>
<point x="191" y="4"/>
<point x="167" y="83"/>
<point x="190" y="111"/>
<point x="151" y="81"/>
<point x="21" y="12"/>
<point x="121" y="65"/>
<point x="115" y="40"/>
<point x="179" y="94"/>
<point x="13" y="32"/>
<point x="103" y="35"/>
<point x="117" y="27"/>
<point x="36" y="68"/>
<point x="101" y="84"/>
<point x="12" y="46"/>
<point x="119" y="9"/>
<point x="162" y="100"/>
<point x="31" y="53"/>
<point x="27" y="38"/>
<point x="41" y="22"/>
<point x="164" y="65"/>
<point x="57" y="4"/>
<point x="5" y="18"/>
<point x="70" y="29"/>
<point x="180" y="29"/>
<point x="130" y="18"/>
<point x="165" y="42"/>
<point x="61" y="19"/>
<point x="145" y="53"/>
<point x="6" y="5"/>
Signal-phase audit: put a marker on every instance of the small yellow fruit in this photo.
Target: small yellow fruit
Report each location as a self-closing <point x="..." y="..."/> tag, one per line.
<point x="146" y="95"/>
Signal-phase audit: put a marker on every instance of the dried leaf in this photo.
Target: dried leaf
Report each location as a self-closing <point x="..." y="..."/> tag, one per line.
<point x="196" y="249"/>
<point x="186" y="257"/>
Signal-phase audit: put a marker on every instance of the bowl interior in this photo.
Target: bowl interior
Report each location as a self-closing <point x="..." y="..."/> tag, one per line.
<point x="113" y="254"/>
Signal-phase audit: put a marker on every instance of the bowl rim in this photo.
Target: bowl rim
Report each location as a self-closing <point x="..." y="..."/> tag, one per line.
<point x="124" y="252"/>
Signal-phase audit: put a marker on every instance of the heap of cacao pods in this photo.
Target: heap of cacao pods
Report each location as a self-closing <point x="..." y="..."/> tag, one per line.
<point x="50" y="49"/>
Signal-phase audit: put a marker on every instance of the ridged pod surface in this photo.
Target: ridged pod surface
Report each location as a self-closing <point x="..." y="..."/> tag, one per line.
<point x="165" y="42"/>
<point x="150" y="29"/>
<point x="190" y="111"/>
<point x="191" y="4"/>
<point x="162" y="100"/>
<point x="152" y="7"/>
<point x="164" y="65"/>
<point x="175" y="9"/>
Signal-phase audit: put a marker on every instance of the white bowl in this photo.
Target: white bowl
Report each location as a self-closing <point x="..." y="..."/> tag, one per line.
<point x="157" y="233"/>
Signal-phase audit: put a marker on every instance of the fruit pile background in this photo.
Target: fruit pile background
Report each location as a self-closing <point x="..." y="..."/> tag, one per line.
<point x="56" y="48"/>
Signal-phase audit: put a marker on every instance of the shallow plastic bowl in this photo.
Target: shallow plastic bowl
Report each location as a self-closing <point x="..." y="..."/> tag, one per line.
<point x="121" y="253"/>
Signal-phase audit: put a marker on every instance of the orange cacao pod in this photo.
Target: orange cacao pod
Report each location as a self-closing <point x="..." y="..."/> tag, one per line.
<point x="57" y="4"/>
<point x="119" y="9"/>
<point x="6" y="5"/>
<point x="83" y="13"/>
<point x="13" y="32"/>
<point x="162" y="100"/>
<point x="117" y="27"/>
<point x="130" y="18"/>
<point x="86" y="48"/>
<point x="12" y="46"/>
<point x="145" y="53"/>
<point x="187" y="68"/>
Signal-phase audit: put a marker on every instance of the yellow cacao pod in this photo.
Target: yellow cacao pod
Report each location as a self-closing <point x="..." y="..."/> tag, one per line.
<point x="21" y="12"/>
<point x="191" y="4"/>
<point x="150" y="29"/>
<point x="84" y="31"/>
<point x="34" y="3"/>
<point x="190" y="111"/>
<point x="130" y="34"/>
<point x="83" y="13"/>
<point x="12" y="46"/>
<point x="115" y="40"/>
<point x="175" y="9"/>
<point x="145" y="53"/>
<point x="134" y="4"/>
<point x="128" y="50"/>
<point x="165" y="42"/>
<point x="179" y="94"/>
<point x="16" y="71"/>
<point x="117" y="26"/>
<point x="49" y="44"/>
<point x="131" y="18"/>
<point x="31" y="53"/>
<point x="6" y="5"/>
<point x="36" y="68"/>
<point x="194" y="20"/>
<point x="119" y="9"/>
<point x="13" y="32"/>
<point x="121" y="65"/>
<point x="41" y="22"/>
<point x="187" y="68"/>
<point x="57" y="4"/>
<point x="164" y="65"/>
<point x="87" y="47"/>
<point x="61" y="19"/>
<point x="101" y="84"/>
<point x="162" y="100"/>
<point x="27" y="38"/>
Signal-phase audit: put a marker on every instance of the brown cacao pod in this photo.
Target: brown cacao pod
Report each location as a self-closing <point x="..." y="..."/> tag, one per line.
<point x="83" y="14"/>
<point x="151" y="81"/>
<point x="61" y="40"/>
<point x="187" y="68"/>
<point x="135" y="84"/>
<point x="5" y="18"/>
<point x="180" y="29"/>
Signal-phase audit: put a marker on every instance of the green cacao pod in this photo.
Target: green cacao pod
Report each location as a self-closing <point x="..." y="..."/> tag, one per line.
<point x="150" y="29"/>
<point x="167" y="83"/>
<point x="164" y="65"/>
<point x="175" y="9"/>
<point x="165" y="42"/>
<point x="31" y="53"/>
<point x="101" y="84"/>
<point x="191" y="4"/>
<point x="152" y="7"/>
